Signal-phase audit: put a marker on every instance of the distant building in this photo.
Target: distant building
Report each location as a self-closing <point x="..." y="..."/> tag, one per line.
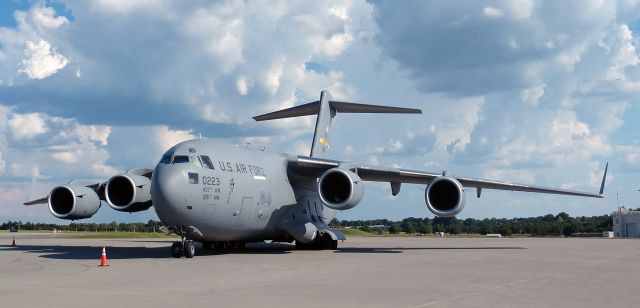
<point x="378" y="227"/>
<point x="625" y="222"/>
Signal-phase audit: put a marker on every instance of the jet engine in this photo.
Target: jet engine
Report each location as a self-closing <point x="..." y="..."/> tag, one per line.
<point x="128" y="192"/>
<point x="73" y="202"/>
<point x="445" y="196"/>
<point x="340" y="189"/>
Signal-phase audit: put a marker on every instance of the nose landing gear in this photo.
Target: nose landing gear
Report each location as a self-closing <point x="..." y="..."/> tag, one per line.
<point x="184" y="246"/>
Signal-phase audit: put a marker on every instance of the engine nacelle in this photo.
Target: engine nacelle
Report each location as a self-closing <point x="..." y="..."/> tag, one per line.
<point x="73" y="202"/>
<point x="127" y="192"/>
<point x="340" y="189"/>
<point x="445" y="196"/>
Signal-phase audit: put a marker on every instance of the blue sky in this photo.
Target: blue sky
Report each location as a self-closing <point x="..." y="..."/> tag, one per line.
<point x="540" y="92"/>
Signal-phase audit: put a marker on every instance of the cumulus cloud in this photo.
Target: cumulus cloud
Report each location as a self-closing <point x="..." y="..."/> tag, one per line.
<point x="166" y="138"/>
<point x="625" y="55"/>
<point x="41" y="61"/>
<point x="492" y="12"/>
<point x="29" y="49"/>
<point x="36" y="145"/>
<point x="531" y="95"/>
<point x="27" y="126"/>
<point x="223" y="59"/>
<point x="43" y="16"/>
<point x="142" y="146"/>
<point x="454" y="48"/>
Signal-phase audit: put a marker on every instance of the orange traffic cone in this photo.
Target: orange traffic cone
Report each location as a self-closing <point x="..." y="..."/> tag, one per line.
<point x="103" y="260"/>
<point x="13" y="243"/>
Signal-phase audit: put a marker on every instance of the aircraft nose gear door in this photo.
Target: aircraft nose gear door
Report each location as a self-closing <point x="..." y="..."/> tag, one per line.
<point x="245" y="212"/>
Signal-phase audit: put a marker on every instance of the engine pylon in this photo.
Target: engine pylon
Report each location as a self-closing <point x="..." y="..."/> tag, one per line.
<point x="103" y="259"/>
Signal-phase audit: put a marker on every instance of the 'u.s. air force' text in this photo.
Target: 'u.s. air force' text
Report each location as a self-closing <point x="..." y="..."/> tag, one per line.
<point x="241" y="168"/>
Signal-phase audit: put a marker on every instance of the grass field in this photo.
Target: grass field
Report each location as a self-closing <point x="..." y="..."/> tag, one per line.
<point x="116" y="235"/>
<point x="355" y="232"/>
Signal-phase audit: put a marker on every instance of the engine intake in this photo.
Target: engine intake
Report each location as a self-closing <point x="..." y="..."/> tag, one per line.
<point x="340" y="189"/>
<point x="73" y="202"/>
<point x="128" y="192"/>
<point x="445" y="196"/>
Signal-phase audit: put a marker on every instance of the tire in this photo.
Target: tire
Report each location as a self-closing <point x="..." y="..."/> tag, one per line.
<point x="189" y="249"/>
<point x="325" y="242"/>
<point x="176" y="249"/>
<point x="304" y="246"/>
<point x="241" y="245"/>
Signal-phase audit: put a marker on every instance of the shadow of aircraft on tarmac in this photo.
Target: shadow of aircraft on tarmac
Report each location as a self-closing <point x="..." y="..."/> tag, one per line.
<point x="401" y="249"/>
<point x="118" y="252"/>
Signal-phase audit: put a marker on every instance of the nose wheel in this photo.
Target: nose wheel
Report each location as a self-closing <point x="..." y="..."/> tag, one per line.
<point x="184" y="246"/>
<point x="176" y="249"/>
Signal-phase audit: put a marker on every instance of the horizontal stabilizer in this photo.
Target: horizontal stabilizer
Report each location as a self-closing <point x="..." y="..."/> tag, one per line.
<point x="343" y="107"/>
<point x="326" y="109"/>
<point x="297" y="111"/>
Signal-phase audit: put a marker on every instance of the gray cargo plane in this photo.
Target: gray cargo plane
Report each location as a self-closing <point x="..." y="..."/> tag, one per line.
<point x="225" y="196"/>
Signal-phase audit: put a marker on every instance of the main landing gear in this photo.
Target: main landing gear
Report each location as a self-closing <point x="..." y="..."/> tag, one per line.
<point x="322" y="242"/>
<point x="224" y="246"/>
<point x="184" y="246"/>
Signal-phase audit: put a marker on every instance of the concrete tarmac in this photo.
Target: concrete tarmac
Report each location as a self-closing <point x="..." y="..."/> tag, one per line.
<point x="47" y="270"/>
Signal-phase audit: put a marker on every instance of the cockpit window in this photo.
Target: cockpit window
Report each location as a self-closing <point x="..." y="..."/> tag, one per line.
<point x="206" y="162"/>
<point x="196" y="161"/>
<point x="179" y="159"/>
<point x="166" y="159"/>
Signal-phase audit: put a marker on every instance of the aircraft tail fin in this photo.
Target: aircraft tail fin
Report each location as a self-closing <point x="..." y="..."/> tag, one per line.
<point x="326" y="108"/>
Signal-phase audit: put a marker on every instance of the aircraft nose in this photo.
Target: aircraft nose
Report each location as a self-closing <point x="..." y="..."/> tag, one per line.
<point x="166" y="190"/>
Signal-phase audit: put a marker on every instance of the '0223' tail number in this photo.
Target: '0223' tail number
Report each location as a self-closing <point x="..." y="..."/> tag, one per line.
<point x="208" y="182"/>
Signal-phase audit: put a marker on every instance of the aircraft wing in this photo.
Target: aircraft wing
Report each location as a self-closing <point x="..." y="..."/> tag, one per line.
<point x="37" y="201"/>
<point x="95" y="185"/>
<point x="316" y="166"/>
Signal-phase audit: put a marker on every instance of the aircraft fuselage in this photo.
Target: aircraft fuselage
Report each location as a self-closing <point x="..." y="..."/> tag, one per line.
<point x="227" y="193"/>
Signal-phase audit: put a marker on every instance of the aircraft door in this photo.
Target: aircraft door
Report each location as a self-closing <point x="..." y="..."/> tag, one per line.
<point x="244" y="213"/>
<point x="208" y="211"/>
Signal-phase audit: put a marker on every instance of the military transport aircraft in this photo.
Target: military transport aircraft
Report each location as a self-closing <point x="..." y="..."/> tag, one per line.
<point x="225" y="196"/>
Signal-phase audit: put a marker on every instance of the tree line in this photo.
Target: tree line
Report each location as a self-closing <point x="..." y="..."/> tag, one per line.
<point x="150" y="226"/>
<point x="548" y="225"/>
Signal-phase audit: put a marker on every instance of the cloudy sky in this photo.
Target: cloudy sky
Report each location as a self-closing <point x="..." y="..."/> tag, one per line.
<point x="540" y="92"/>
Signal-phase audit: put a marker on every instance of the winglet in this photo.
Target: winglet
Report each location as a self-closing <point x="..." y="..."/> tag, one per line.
<point x="604" y="177"/>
